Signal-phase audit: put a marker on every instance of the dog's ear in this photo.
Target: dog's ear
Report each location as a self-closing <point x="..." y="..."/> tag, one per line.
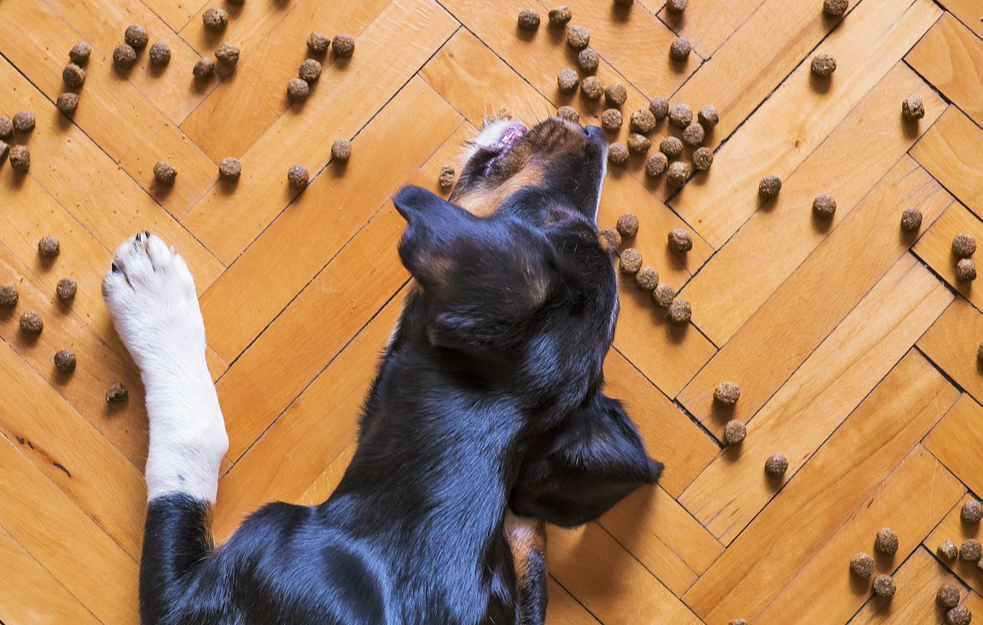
<point x="579" y="470"/>
<point x="481" y="276"/>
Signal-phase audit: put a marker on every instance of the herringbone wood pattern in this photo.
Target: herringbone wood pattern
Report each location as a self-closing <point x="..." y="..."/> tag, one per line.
<point x="854" y="344"/>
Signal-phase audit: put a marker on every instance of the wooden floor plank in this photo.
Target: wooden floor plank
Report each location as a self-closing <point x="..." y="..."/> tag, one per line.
<point x="821" y="394"/>
<point x="953" y="528"/>
<point x="799" y="116"/>
<point x="950" y="57"/>
<point x="951" y="151"/>
<point x="954" y="440"/>
<point x="563" y="609"/>
<point x="953" y="343"/>
<point x="813" y="300"/>
<point x="968" y="12"/>
<point x="175" y="12"/>
<point x="935" y="249"/>
<point x="828" y="490"/>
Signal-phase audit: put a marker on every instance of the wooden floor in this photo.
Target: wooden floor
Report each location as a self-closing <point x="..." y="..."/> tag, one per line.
<point x="853" y="343"/>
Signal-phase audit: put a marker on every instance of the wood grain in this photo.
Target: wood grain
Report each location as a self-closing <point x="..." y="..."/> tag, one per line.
<point x="944" y="55"/>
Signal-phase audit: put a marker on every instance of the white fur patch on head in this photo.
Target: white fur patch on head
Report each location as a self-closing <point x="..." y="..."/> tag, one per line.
<point x="498" y="136"/>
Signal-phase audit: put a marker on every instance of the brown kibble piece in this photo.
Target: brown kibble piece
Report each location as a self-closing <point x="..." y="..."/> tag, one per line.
<point x="215" y="19"/>
<point x="204" y="69"/>
<point x="823" y="65"/>
<point x="318" y="43"/>
<point x="680" y="49"/>
<point x="912" y="109"/>
<point x="886" y="541"/>
<point x="24" y="121"/>
<point x="680" y="312"/>
<point x="67" y="103"/>
<point x="49" y="247"/>
<point x="734" y="432"/>
<point x="298" y="90"/>
<point x="611" y="119"/>
<point x="862" y="565"/>
<point x="616" y="94"/>
<point x="136" y="36"/>
<point x="678" y="174"/>
<point x="297" y="177"/>
<point x="663" y="295"/>
<point x="230" y="169"/>
<point x="726" y="393"/>
<point x="341" y="150"/>
<point x="681" y="115"/>
<point x="628" y="225"/>
<point x="30" y="323"/>
<point x="73" y="76"/>
<point x="693" y="135"/>
<point x="776" y="464"/>
<point x="948" y="595"/>
<point x="659" y="107"/>
<point x="835" y="8"/>
<point x="638" y="143"/>
<point x="160" y="54"/>
<point x="769" y="186"/>
<point x="343" y="45"/>
<point x="588" y="59"/>
<point x="578" y="37"/>
<point x="966" y="270"/>
<point x="970" y="551"/>
<point x="20" y="158"/>
<point x="824" y="206"/>
<point x="680" y="240"/>
<point x="116" y="394"/>
<point x="702" y="159"/>
<point x="560" y="16"/>
<point x="66" y="289"/>
<point x="708" y="116"/>
<point x="884" y="586"/>
<point x="677" y="6"/>
<point x="446" y="177"/>
<point x="911" y="219"/>
<point x="959" y="615"/>
<point x="64" y="361"/>
<point x="647" y="278"/>
<point x="528" y="19"/>
<point x="567" y="80"/>
<point x="609" y="239"/>
<point x="948" y="549"/>
<point x="671" y="147"/>
<point x="963" y="245"/>
<point x="124" y="56"/>
<point x="6" y="127"/>
<point x="618" y="153"/>
<point x="227" y="54"/>
<point x="568" y="113"/>
<point x="972" y="511"/>
<point x="8" y="296"/>
<point x="80" y="52"/>
<point x="656" y="164"/>
<point x="592" y="88"/>
<point x="164" y="173"/>
<point x="643" y="121"/>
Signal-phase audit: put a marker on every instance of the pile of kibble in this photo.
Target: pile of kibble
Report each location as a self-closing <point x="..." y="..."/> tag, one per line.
<point x="16" y="129"/>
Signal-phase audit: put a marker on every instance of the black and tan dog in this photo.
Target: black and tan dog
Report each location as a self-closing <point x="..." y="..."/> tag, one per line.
<point x="486" y="419"/>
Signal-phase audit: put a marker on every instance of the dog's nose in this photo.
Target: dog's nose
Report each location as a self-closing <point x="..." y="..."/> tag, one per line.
<point x="594" y="132"/>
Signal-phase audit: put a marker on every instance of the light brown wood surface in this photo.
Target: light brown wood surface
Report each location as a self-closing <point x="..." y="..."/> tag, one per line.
<point x="855" y="345"/>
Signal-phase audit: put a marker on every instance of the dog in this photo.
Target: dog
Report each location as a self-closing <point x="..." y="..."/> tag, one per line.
<point x="486" y="418"/>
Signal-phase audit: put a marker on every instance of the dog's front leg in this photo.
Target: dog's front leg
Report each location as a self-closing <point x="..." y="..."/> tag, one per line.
<point x="527" y="541"/>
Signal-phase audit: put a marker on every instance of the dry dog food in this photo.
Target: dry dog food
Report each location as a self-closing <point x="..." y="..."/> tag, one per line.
<point x="948" y="595"/>
<point x="204" y="69"/>
<point x="567" y="80"/>
<point x="948" y="549"/>
<point x="66" y="289"/>
<point x="638" y="143"/>
<point x="678" y="174"/>
<point x="616" y="94"/>
<point x="618" y="153"/>
<point x="124" y="56"/>
<point x="970" y="551"/>
<point x="911" y="219"/>
<point x="116" y="393"/>
<point x="708" y="116"/>
<point x="341" y="150"/>
<point x="20" y="158"/>
<point x="164" y="173"/>
<point x="136" y="36"/>
<point x="569" y="113"/>
<point x="560" y="16"/>
<point x="824" y="206"/>
<point x="592" y="88"/>
<point x="64" y="361"/>
<point x="578" y="37"/>
<point x="228" y="54"/>
<point x="160" y="54"/>
<point x="769" y="186"/>
<point x="912" y="109"/>
<point x="702" y="159"/>
<point x="318" y="43"/>
<point x="230" y="169"/>
<point x="298" y="90"/>
<point x="959" y="615"/>
<point x="963" y="245"/>
<point x="24" y="121"/>
<point x="734" y="432"/>
<point x="823" y="65"/>
<point x="835" y="8"/>
<point x="776" y="464"/>
<point x="677" y="6"/>
<point x="671" y="147"/>
<point x="884" y="586"/>
<point x="972" y="511"/>
<point x="680" y="312"/>
<point x="80" y="53"/>
<point x="680" y="49"/>
<point x="67" y="103"/>
<point x="647" y="278"/>
<point x="297" y="177"/>
<point x="886" y="541"/>
<point x="30" y="323"/>
<point x="680" y="240"/>
<point x="611" y="119"/>
<point x="663" y="295"/>
<point x="966" y="270"/>
<point x="610" y="240"/>
<point x="862" y="565"/>
<point x="8" y="296"/>
<point x="49" y="247"/>
<point x="659" y="107"/>
<point x="215" y="19"/>
<point x="628" y="226"/>
<point x="693" y="135"/>
<point x="726" y="393"/>
<point x="630" y="261"/>
<point x="656" y="164"/>
<point x="643" y="121"/>
<point x="446" y="177"/>
<point x="681" y="115"/>
<point x="73" y="76"/>
<point x="6" y="127"/>
<point x="529" y="19"/>
<point x="343" y="45"/>
<point x="588" y="60"/>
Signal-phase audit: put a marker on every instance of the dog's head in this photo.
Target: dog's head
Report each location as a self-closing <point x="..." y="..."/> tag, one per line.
<point x="512" y="275"/>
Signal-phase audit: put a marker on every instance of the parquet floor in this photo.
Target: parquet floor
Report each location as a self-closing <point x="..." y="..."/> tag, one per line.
<point x="854" y="344"/>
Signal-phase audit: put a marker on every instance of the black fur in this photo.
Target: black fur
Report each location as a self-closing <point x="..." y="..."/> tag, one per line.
<point x="488" y="396"/>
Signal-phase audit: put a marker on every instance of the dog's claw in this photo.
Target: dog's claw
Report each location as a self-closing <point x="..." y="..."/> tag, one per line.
<point x="115" y="268"/>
